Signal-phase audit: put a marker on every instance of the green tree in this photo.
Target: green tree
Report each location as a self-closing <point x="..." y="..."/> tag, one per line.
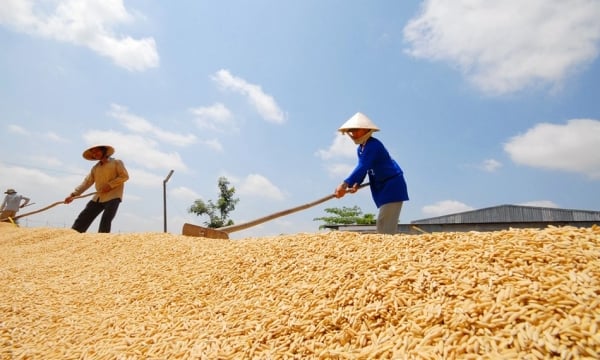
<point x="218" y="213"/>
<point x="346" y="216"/>
<point x="367" y="219"/>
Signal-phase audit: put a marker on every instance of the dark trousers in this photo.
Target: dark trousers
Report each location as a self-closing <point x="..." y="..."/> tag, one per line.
<point x="92" y="210"/>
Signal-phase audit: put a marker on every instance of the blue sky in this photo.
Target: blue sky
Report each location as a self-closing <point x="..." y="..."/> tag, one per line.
<point x="481" y="103"/>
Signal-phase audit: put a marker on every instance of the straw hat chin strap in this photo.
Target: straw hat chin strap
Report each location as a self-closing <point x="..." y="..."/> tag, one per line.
<point x="363" y="139"/>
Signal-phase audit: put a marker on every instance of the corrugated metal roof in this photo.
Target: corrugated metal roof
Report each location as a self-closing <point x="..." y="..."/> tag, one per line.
<point x="512" y="214"/>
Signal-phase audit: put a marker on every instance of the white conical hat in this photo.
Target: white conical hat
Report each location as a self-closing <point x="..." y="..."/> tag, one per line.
<point x="358" y="121"/>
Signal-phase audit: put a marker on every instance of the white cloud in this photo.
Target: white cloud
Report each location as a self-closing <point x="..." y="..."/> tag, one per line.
<point x="49" y="135"/>
<point x="29" y="177"/>
<point x="142" y="177"/>
<point x="140" y="125"/>
<point x="86" y="23"/>
<point x="42" y="188"/>
<point x="540" y="203"/>
<point x="136" y="149"/>
<point x="258" y="185"/>
<point x="341" y="147"/>
<point x="490" y="165"/>
<point x="573" y="147"/>
<point x="185" y="193"/>
<point x="339" y="170"/>
<point x="216" y="117"/>
<point x="264" y="103"/>
<point x="52" y="136"/>
<point x="16" y="129"/>
<point x="50" y="162"/>
<point x="214" y="144"/>
<point x="505" y="46"/>
<point x="445" y="207"/>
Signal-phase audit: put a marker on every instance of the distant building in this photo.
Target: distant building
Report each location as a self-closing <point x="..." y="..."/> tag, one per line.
<point x="492" y="219"/>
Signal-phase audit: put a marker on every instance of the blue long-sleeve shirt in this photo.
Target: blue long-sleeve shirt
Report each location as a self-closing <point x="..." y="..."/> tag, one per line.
<point x="386" y="178"/>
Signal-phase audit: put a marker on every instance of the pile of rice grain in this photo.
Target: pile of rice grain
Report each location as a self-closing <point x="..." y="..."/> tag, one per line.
<point x="338" y="295"/>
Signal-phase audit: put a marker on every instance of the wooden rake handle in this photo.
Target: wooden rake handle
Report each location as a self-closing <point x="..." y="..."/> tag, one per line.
<point x="242" y="226"/>
<point x="48" y="207"/>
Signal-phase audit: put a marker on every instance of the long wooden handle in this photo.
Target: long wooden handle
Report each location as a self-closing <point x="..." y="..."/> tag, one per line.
<point x="238" y="227"/>
<point x="48" y="207"/>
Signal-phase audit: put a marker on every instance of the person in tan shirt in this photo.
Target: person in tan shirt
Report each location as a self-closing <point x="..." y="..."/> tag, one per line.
<point x="109" y="176"/>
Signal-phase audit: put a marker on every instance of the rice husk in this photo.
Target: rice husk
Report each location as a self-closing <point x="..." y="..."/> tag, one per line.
<point x="519" y="293"/>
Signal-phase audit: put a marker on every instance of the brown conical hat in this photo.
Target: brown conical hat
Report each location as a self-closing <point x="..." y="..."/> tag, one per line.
<point x="87" y="154"/>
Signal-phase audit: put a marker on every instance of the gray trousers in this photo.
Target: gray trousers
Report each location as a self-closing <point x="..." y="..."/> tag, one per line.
<point x="388" y="218"/>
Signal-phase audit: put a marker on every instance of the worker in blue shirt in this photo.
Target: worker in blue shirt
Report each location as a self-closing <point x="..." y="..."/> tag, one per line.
<point x="386" y="178"/>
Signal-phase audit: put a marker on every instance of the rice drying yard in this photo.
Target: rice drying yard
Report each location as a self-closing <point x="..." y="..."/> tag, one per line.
<point x="514" y="294"/>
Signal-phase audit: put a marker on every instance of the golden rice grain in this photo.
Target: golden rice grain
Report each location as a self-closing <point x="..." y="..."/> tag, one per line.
<point x="519" y="293"/>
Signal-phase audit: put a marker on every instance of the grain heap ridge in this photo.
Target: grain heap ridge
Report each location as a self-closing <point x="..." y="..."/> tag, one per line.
<point x="337" y="295"/>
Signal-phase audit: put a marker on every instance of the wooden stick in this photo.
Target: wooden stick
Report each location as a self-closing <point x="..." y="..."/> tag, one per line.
<point x="238" y="227"/>
<point x="46" y="208"/>
<point x="419" y="229"/>
<point x="222" y="232"/>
